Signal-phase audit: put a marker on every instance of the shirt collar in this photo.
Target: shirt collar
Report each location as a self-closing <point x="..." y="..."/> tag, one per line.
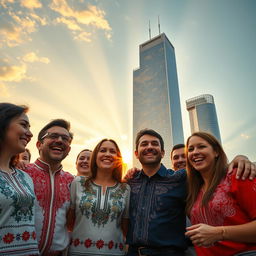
<point x="161" y="172"/>
<point x="45" y="166"/>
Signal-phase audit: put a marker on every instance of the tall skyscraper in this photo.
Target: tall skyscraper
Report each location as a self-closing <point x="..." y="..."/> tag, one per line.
<point x="202" y="115"/>
<point x="156" y="99"/>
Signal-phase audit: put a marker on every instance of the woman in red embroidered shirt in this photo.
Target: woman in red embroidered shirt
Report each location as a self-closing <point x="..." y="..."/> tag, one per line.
<point x="222" y="208"/>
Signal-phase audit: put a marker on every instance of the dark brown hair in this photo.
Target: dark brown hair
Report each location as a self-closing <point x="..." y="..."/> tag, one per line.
<point x="8" y="112"/>
<point x="151" y="133"/>
<point x="195" y="180"/>
<point x="117" y="172"/>
<point x="81" y="152"/>
<point x="177" y="146"/>
<point x="56" y="122"/>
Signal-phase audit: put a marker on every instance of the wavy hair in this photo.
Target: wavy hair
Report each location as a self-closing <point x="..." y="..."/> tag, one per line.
<point x="118" y="168"/>
<point x="218" y="171"/>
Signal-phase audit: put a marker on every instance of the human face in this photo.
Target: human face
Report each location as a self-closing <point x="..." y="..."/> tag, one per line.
<point x="18" y="135"/>
<point x="149" y="150"/>
<point x="107" y="156"/>
<point x="24" y="157"/>
<point x="178" y="159"/>
<point x="201" y="154"/>
<point x="54" y="150"/>
<point x="83" y="163"/>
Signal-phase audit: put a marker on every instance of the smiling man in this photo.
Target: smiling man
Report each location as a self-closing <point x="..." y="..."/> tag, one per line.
<point x="52" y="186"/>
<point x="178" y="157"/>
<point x="157" y="201"/>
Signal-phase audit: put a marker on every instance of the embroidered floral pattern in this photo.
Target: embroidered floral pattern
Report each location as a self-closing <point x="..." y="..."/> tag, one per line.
<point x="113" y="204"/>
<point x="110" y="244"/>
<point x="76" y="242"/>
<point x="98" y="244"/>
<point x="219" y="207"/>
<point x="88" y="243"/>
<point x="8" y="238"/>
<point x="25" y="236"/>
<point x="86" y="202"/>
<point x="41" y="176"/>
<point x="21" y="194"/>
<point x="117" y="203"/>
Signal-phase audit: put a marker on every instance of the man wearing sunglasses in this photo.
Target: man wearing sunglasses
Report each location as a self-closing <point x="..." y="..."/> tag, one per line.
<point x="51" y="185"/>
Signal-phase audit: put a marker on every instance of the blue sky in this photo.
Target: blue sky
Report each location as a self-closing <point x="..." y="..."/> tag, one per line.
<point x="74" y="59"/>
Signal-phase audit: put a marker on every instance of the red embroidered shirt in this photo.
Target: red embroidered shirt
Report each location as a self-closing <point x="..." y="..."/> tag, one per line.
<point x="52" y="191"/>
<point x="233" y="203"/>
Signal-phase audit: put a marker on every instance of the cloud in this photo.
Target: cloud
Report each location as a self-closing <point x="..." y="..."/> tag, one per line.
<point x="91" y="16"/>
<point x="15" y="34"/>
<point x="5" y="2"/>
<point x="31" y="4"/>
<point x="84" y="36"/>
<point x="38" y="18"/>
<point x="32" y="57"/>
<point x="71" y="24"/>
<point x="13" y="73"/>
<point x="25" y="23"/>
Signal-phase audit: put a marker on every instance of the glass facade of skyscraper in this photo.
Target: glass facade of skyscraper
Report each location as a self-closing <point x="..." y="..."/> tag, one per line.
<point x="202" y="115"/>
<point x="156" y="100"/>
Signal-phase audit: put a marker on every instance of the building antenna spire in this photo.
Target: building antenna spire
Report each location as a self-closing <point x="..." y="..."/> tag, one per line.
<point x="149" y="30"/>
<point x="159" y="25"/>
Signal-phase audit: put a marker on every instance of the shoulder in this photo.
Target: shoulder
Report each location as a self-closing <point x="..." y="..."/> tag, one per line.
<point x="32" y="167"/>
<point x="24" y="176"/>
<point x="22" y="173"/>
<point x="67" y="175"/>
<point x="125" y="186"/>
<point x="180" y="175"/>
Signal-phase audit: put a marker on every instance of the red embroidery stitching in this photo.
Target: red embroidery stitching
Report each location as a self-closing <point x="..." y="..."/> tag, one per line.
<point x="42" y="186"/>
<point x="8" y="238"/>
<point x="110" y="244"/>
<point x="76" y="242"/>
<point x="99" y="244"/>
<point x="25" y="236"/>
<point x="34" y="235"/>
<point x="121" y="246"/>
<point x="88" y="243"/>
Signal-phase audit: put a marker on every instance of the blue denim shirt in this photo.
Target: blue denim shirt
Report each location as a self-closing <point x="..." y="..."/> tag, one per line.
<point x="157" y="209"/>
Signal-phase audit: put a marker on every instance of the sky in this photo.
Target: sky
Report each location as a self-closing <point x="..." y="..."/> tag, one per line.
<point x="75" y="60"/>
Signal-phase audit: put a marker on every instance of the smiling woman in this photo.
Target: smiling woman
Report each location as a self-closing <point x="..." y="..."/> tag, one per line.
<point x="222" y="213"/>
<point x="17" y="209"/>
<point x="100" y="205"/>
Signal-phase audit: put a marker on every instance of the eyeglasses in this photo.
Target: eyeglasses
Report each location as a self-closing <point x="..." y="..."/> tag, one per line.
<point x="55" y="136"/>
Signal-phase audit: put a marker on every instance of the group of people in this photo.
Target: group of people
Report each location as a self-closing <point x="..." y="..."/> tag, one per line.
<point x="46" y="211"/>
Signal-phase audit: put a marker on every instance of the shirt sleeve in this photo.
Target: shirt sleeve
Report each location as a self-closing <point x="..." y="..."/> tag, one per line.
<point x="127" y="202"/>
<point x="245" y="194"/>
<point x="73" y="189"/>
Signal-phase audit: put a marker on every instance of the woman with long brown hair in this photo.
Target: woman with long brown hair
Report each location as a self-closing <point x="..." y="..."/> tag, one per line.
<point x="100" y="204"/>
<point x="222" y="208"/>
<point x="17" y="208"/>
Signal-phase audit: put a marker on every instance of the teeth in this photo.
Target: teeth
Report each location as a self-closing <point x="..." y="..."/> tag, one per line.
<point x="56" y="148"/>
